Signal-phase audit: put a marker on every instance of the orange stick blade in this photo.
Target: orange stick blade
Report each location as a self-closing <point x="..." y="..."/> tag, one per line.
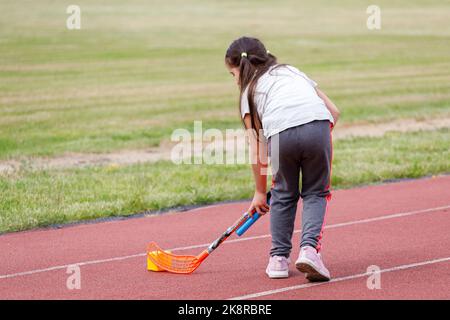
<point x="170" y="262"/>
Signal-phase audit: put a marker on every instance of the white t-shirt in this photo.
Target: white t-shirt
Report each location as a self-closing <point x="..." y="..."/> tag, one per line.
<point x="285" y="97"/>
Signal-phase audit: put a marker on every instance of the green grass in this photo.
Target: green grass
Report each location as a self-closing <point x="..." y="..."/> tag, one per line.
<point x="138" y="70"/>
<point x="30" y="199"/>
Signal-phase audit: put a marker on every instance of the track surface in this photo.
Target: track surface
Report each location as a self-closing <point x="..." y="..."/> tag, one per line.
<point x="403" y="228"/>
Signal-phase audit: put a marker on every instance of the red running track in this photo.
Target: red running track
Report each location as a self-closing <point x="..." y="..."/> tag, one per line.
<point x="402" y="228"/>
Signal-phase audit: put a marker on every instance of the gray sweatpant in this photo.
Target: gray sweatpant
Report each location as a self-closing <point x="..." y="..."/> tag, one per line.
<point x="305" y="149"/>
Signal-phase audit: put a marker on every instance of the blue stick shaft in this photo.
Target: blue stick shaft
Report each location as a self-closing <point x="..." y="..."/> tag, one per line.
<point x="248" y="224"/>
<point x="250" y="221"/>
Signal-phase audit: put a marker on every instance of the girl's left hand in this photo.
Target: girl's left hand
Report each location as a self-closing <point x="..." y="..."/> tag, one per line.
<point x="259" y="203"/>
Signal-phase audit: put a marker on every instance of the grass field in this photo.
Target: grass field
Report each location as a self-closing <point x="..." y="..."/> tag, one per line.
<point x="138" y="70"/>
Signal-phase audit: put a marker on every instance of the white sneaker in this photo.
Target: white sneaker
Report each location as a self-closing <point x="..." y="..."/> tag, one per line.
<point x="278" y="267"/>
<point x="310" y="262"/>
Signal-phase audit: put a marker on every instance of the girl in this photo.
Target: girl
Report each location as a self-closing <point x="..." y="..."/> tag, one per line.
<point x="296" y="119"/>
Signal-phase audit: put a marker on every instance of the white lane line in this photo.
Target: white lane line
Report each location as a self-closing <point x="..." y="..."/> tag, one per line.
<point x="337" y="225"/>
<point x="351" y="277"/>
<point x="83" y="263"/>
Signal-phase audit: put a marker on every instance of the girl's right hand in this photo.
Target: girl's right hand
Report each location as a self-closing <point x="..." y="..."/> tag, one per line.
<point x="259" y="203"/>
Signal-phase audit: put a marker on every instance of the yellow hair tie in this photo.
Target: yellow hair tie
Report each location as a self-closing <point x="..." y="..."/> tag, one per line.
<point x="244" y="55"/>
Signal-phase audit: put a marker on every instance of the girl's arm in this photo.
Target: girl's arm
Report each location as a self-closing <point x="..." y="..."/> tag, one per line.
<point x="330" y="105"/>
<point x="258" y="156"/>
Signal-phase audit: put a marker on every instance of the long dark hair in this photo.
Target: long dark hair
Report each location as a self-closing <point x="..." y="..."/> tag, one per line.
<point x="253" y="60"/>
